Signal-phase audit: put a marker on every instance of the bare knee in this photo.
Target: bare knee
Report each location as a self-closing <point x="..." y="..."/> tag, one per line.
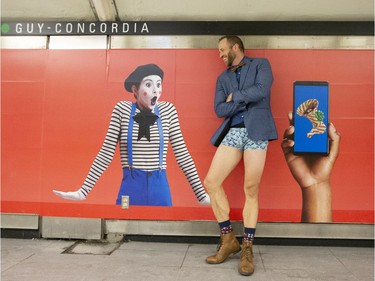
<point x="252" y="189"/>
<point x="211" y="185"/>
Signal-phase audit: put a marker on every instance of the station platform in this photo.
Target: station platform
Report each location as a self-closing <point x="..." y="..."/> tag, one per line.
<point x="55" y="259"/>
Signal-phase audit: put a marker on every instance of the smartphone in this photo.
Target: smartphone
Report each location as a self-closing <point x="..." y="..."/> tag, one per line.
<point x="310" y="117"/>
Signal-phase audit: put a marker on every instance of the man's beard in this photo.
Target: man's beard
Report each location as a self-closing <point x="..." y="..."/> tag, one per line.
<point x="231" y="58"/>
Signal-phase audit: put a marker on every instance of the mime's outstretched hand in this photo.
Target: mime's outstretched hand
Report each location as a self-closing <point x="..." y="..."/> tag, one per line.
<point x="205" y="201"/>
<point x="70" y="195"/>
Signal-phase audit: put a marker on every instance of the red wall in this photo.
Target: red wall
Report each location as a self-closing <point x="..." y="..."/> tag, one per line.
<point x="56" y="106"/>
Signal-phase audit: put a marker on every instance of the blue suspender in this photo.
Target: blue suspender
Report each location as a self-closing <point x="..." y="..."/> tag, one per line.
<point x="130" y="136"/>
<point x="161" y="137"/>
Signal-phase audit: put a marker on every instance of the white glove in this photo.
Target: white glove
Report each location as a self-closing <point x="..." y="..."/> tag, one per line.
<point x="205" y="201"/>
<point x="70" y="195"/>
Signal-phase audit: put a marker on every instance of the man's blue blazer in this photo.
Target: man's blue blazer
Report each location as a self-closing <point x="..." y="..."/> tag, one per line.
<point x="252" y="94"/>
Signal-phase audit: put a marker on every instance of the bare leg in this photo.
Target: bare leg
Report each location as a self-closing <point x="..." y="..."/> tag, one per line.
<point x="225" y="160"/>
<point x="254" y="161"/>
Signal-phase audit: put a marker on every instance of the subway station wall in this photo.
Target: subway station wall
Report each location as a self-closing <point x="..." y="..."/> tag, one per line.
<point x="56" y="106"/>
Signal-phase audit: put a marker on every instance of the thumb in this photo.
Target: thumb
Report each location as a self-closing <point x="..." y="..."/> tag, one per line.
<point x="334" y="141"/>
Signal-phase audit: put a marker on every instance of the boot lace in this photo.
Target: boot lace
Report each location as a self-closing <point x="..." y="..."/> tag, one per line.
<point x="247" y="253"/>
<point x="219" y="245"/>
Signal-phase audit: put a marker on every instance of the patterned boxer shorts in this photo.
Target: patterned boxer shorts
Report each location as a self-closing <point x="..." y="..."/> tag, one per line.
<point x="238" y="138"/>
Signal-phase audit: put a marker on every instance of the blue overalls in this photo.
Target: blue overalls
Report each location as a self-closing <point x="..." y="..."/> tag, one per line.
<point x="145" y="188"/>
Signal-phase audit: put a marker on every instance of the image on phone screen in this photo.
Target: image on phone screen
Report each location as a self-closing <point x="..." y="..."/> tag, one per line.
<point x="310" y="117"/>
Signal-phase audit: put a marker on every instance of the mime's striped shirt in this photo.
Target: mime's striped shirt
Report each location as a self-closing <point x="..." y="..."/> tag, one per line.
<point x="145" y="153"/>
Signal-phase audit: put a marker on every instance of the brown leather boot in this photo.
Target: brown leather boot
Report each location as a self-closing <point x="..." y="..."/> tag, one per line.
<point x="246" y="266"/>
<point x="228" y="245"/>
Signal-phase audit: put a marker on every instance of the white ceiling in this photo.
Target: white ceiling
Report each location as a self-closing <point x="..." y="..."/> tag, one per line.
<point x="191" y="10"/>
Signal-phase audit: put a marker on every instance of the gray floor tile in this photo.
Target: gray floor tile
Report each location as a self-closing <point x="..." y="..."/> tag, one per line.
<point x="151" y="246"/>
<point x="359" y="261"/>
<point x="146" y="257"/>
<point x="134" y="273"/>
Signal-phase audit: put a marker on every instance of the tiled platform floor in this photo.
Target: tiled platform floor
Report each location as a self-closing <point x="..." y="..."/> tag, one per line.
<point x="40" y="259"/>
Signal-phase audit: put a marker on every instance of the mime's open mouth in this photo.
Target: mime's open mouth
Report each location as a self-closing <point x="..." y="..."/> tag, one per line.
<point x="153" y="100"/>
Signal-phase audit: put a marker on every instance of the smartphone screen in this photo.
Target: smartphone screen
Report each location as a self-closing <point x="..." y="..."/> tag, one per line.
<point x="310" y="117"/>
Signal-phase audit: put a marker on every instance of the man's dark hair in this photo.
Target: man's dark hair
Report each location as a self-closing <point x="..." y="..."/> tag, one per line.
<point x="232" y="40"/>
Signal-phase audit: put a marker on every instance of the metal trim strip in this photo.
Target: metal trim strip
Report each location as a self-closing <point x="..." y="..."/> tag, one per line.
<point x="186" y="42"/>
<point x="250" y="42"/>
<point x="264" y="230"/>
<point x="77" y="42"/>
<point x="19" y="221"/>
<point x="88" y="228"/>
<point x="24" y="42"/>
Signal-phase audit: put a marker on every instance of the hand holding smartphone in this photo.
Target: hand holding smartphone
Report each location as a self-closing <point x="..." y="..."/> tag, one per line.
<point x="310" y="117"/>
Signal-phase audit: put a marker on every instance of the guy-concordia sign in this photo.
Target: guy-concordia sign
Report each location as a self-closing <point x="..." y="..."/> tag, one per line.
<point x="74" y="28"/>
<point x="187" y="28"/>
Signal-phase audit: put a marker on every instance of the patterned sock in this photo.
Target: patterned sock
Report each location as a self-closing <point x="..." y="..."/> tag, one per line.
<point x="225" y="227"/>
<point x="249" y="234"/>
